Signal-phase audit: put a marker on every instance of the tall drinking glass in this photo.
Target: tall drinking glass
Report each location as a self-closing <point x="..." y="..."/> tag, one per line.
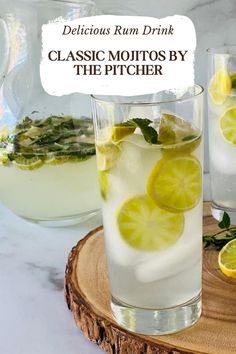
<point x="149" y="156"/>
<point x="222" y="129"/>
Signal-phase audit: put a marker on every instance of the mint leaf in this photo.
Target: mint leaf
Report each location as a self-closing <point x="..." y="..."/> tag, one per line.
<point x="233" y="232"/>
<point x="221" y="238"/>
<point x="62" y="137"/>
<point x="149" y="133"/>
<point x="225" y="222"/>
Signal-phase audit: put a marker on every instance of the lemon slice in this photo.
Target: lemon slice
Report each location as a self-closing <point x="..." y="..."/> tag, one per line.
<point x="107" y="154"/>
<point x="177" y="135"/>
<point x="228" y="125"/>
<point x="175" y="183"/>
<point x="146" y="227"/>
<point x="120" y="132"/>
<point x="220" y="86"/>
<point x="104" y="185"/>
<point x="227" y="259"/>
<point x="28" y="164"/>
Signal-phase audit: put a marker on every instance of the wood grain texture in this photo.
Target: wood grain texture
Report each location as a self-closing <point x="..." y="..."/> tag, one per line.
<point x="87" y="296"/>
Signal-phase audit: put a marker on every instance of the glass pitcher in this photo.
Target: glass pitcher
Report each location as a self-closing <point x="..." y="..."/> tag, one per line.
<point x="47" y="154"/>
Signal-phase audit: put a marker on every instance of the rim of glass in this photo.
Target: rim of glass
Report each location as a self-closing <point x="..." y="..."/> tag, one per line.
<point x="74" y="3"/>
<point x="223" y="50"/>
<point x="104" y="98"/>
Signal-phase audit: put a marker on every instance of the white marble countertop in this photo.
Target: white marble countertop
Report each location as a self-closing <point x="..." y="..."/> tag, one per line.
<point x="33" y="315"/>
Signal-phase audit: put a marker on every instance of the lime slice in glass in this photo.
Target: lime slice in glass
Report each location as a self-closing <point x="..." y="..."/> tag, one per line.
<point x="146" y="227"/>
<point x="175" y="183"/>
<point x="228" y="125"/>
<point x="177" y="135"/>
<point x="119" y="132"/>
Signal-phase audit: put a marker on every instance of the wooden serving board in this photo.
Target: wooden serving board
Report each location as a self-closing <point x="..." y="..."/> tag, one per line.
<point x="87" y="296"/>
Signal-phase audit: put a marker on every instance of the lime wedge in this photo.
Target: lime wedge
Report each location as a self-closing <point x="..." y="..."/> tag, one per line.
<point x="146" y="227"/>
<point x="177" y="134"/>
<point x="167" y="131"/>
<point x="107" y="155"/>
<point x="220" y="86"/>
<point x="104" y="185"/>
<point x="175" y="183"/>
<point x="120" y="132"/>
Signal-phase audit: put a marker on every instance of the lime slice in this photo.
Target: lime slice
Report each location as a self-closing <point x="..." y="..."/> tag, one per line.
<point x="28" y="164"/>
<point x="175" y="183"/>
<point x="120" y="132"/>
<point x="178" y="132"/>
<point x="4" y="160"/>
<point x="227" y="259"/>
<point x="220" y="86"/>
<point x="228" y="125"/>
<point x="146" y="227"/>
<point x="103" y="182"/>
<point x="59" y="160"/>
<point x="107" y="154"/>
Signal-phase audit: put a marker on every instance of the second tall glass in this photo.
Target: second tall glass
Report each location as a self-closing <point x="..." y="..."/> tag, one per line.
<point x="222" y="129"/>
<point x="149" y="155"/>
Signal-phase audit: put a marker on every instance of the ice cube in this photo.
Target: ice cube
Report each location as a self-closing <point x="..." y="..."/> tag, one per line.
<point x="170" y="262"/>
<point x="131" y="158"/>
<point x="118" y="250"/>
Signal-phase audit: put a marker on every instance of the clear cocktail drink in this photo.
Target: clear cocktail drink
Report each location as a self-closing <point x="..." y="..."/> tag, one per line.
<point x="222" y="130"/>
<point x="150" y="171"/>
